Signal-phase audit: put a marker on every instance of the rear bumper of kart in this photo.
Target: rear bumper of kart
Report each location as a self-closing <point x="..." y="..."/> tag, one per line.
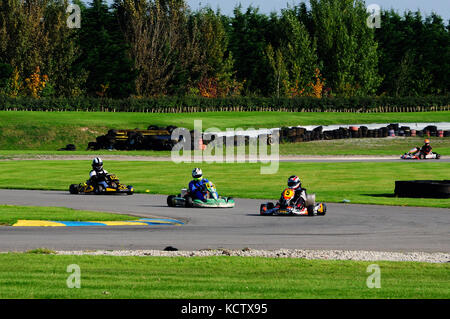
<point x="210" y="203"/>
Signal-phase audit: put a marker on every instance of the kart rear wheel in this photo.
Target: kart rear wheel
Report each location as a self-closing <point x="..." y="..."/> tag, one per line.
<point x="263" y="209"/>
<point x="270" y="205"/>
<point x="170" y="202"/>
<point x="73" y="189"/>
<point x="310" y="209"/>
<point x="188" y="201"/>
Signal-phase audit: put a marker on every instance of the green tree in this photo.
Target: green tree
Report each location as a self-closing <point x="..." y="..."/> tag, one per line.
<point x="346" y="46"/>
<point x="104" y="53"/>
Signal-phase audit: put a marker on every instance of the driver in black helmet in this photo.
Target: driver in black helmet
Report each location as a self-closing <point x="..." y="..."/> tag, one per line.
<point x="97" y="176"/>
<point x="299" y="198"/>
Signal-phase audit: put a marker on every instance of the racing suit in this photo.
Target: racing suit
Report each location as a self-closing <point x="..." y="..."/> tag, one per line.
<point x="299" y="199"/>
<point x="197" y="189"/>
<point x="426" y="149"/>
<point x="98" y="178"/>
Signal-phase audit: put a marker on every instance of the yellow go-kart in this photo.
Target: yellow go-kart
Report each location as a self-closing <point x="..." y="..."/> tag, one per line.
<point x="113" y="186"/>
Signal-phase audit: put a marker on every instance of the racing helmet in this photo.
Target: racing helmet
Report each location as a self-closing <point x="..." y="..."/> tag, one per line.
<point x="294" y="182"/>
<point x="97" y="164"/>
<point x="197" y="173"/>
<point x="427" y="141"/>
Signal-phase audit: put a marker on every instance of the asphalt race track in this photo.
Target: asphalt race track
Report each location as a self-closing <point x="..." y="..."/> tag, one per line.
<point x="345" y="227"/>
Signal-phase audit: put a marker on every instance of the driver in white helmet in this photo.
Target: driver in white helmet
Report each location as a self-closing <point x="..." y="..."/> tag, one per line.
<point x="97" y="176"/>
<point x="299" y="198"/>
<point x="196" y="186"/>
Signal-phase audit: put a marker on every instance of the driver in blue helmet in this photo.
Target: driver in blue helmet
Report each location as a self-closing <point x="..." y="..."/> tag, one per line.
<point x="197" y="187"/>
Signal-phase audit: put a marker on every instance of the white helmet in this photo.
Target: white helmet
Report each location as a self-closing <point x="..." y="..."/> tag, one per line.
<point x="97" y="164"/>
<point x="197" y="173"/>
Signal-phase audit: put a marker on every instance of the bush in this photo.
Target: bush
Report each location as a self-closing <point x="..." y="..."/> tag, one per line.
<point x="199" y="104"/>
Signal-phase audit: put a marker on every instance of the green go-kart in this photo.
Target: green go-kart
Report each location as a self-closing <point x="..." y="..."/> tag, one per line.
<point x="213" y="200"/>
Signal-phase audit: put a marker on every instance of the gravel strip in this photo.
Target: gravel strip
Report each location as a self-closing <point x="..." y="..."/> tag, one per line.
<point x="280" y="253"/>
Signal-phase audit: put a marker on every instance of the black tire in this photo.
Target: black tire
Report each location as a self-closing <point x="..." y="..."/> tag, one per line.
<point x="270" y="205"/>
<point x="324" y="210"/>
<point x="262" y="209"/>
<point x="310" y="209"/>
<point x="423" y="189"/>
<point x="438" y="156"/>
<point x="73" y="189"/>
<point x="170" y="129"/>
<point x="188" y="201"/>
<point x="129" y="190"/>
<point x="170" y="202"/>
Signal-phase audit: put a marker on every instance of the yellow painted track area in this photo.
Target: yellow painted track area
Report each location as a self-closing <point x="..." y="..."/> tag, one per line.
<point x="140" y="222"/>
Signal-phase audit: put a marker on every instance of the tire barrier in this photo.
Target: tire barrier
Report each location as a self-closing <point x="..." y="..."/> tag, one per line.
<point x="154" y="138"/>
<point x="423" y="189"/>
<point x="298" y="134"/>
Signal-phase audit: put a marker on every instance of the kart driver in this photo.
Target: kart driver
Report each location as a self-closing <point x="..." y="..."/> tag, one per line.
<point x="97" y="175"/>
<point x="299" y="199"/>
<point x="425" y="149"/>
<point x="197" y="186"/>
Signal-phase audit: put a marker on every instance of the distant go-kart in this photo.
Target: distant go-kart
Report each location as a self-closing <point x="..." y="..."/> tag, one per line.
<point x="213" y="200"/>
<point x="416" y="154"/>
<point x="114" y="187"/>
<point x="284" y="207"/>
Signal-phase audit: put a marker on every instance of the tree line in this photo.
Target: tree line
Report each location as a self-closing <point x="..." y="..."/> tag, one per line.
<point x="154" y="48"/>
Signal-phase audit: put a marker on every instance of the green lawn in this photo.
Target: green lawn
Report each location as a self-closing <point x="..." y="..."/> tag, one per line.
<point x="9" y="214"/>
<point x="53" y="130"/>
<point x="45" y="276"/>
<point x="359" y="182"/>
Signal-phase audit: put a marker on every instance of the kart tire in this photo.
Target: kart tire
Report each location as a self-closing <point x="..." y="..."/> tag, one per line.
<point x="263" y="209"/>
<point x="270" y="205"/>
<point x="324" y="210"/>
<point x="438" y="156"/>
<point x="310" y="209"/>
<point x="170" y="202"/>
<point x="229" y="198"/>
<point x="73" y="189"/>
<point x="130" y="192"/>
<point x="188" y="201"/>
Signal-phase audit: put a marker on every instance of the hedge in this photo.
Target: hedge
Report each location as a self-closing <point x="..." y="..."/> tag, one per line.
<point x="198" y="104"/>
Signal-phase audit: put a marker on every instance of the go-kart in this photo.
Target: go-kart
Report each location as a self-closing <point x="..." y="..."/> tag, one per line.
<point x="284" y="207"/>
<point x="213" y="200"/>
<point x="113" y="187"/>
<point x="417" y="154"/>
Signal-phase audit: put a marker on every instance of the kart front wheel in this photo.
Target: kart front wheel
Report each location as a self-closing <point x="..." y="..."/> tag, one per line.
<point x="170" y="202"/>
<point x="73" y="189"/>
<point x="322" y="210"/>
<point x="188" y="201"/>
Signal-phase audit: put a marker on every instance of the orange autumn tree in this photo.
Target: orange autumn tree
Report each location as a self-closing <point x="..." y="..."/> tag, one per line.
<point x="35" y="83"/>
<point x="208" y="87"/>
<point x="317" y="86"/>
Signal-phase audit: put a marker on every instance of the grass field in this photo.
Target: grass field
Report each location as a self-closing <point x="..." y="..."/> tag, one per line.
<point x="359" y="182"/>
<point x="53" y="130"/>
<point x="9" y="214"/>
<point x="45" y="276"/>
